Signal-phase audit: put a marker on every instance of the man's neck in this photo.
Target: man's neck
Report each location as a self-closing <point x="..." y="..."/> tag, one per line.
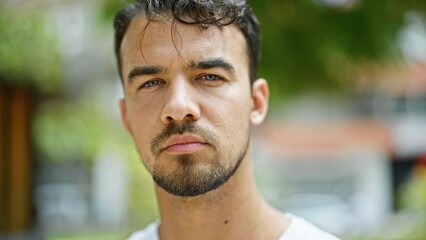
<point x="234" y="211"/>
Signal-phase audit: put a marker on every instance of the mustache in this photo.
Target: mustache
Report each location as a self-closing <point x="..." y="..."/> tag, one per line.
<point x="179" y="129"/>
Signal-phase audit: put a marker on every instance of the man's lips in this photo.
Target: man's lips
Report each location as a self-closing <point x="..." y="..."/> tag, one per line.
<point x="184" y="144"/>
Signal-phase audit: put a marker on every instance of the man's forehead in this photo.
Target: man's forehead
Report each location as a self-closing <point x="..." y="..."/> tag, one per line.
<point x="166" y="27"/>
<point x="167" y="34"/>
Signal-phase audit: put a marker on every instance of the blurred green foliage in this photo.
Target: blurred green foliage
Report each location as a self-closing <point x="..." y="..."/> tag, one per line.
<point x="313" y="46"/>
<point x="413" y="197"/>
<point x="413" y="194"/>
<point x="28" y="50"/>
<point x="87" y="236"/>
<point x="69" y="130"/>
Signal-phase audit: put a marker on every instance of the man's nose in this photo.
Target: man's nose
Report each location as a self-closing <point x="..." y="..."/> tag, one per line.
<point x="180" y="103"/>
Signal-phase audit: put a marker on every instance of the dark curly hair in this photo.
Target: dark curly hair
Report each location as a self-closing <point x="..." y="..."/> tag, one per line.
<point x="201" y="13"/>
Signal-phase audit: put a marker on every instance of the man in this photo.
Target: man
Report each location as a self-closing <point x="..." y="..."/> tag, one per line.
<point x="191" y="96"/>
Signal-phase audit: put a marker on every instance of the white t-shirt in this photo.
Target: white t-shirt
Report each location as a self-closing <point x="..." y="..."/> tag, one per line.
<point x="299" y="229"/>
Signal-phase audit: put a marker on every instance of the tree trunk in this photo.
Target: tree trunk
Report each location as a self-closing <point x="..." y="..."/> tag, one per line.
<point x="15" y="159"/>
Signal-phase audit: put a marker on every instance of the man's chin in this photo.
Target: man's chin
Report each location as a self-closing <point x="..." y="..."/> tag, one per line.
<point x="192" y="178"/>
<point x="187" y="191"/>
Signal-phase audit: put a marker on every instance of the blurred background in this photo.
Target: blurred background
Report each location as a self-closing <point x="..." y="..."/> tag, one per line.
<point x="344" y="145"/>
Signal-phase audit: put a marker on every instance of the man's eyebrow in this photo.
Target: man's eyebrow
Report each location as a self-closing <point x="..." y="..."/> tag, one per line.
<point x="213" y="63"/>
<point x="144" y="70"/>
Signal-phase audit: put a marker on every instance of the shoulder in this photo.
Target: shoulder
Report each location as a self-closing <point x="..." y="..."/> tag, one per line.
<point x="300" y="229"/>
<point x="149" y="233"/>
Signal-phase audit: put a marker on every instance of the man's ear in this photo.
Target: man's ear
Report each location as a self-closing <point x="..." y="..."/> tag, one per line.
<point x="260" y="98"/>
<point x="123" y="111"/>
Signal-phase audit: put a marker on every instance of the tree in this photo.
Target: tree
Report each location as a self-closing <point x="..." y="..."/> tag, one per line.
<point x="28" y="52"/>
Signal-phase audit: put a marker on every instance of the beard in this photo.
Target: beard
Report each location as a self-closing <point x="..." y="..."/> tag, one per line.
<point x="198" y="173"/>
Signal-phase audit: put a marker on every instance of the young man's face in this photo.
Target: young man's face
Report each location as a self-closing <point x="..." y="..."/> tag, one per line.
<point x="188" y="102"/>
